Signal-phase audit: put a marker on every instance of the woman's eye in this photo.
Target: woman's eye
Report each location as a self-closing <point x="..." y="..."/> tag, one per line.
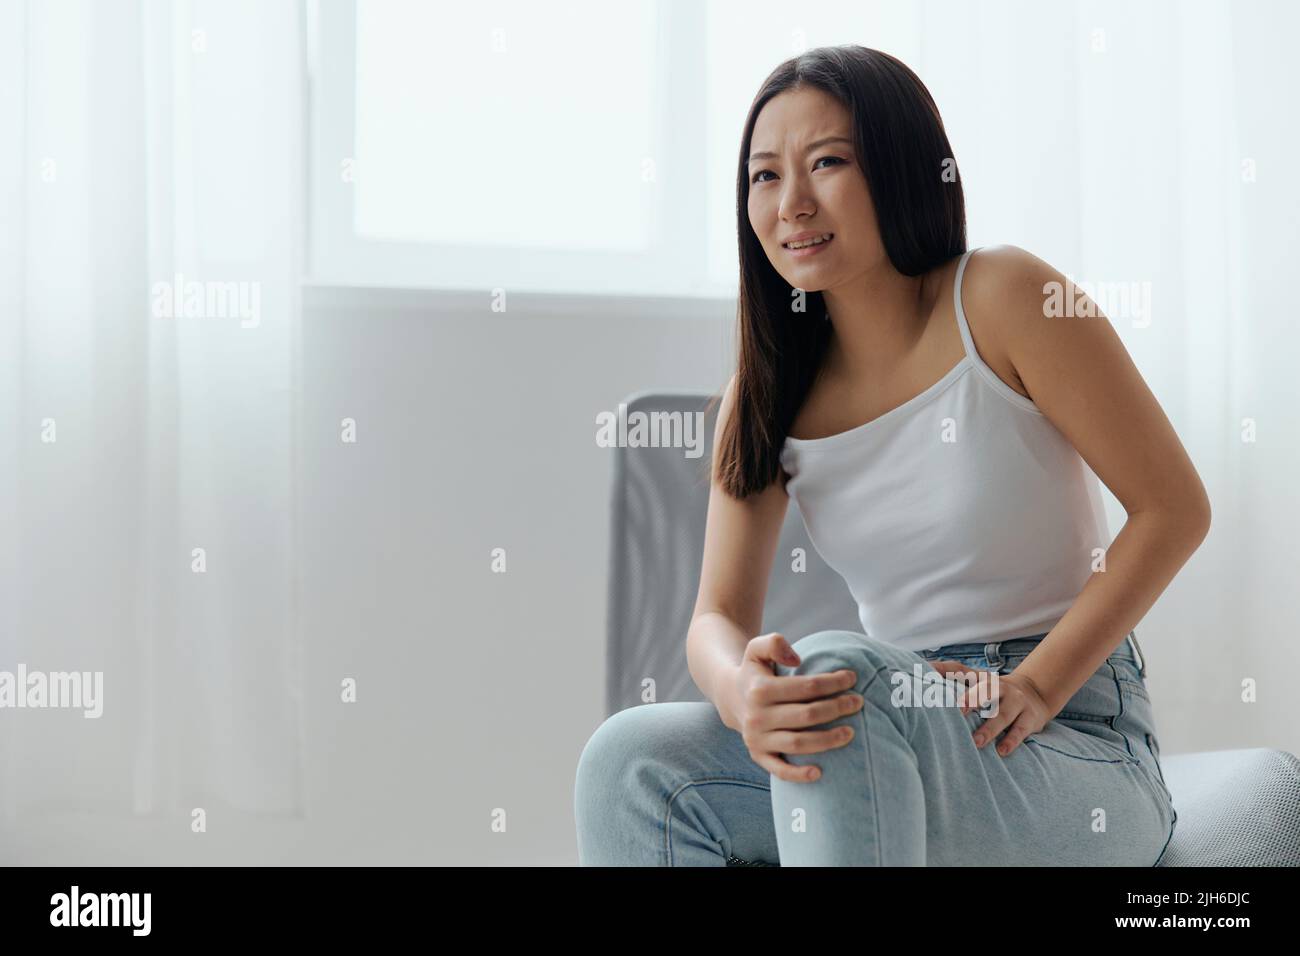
<point x="834" y="159"/>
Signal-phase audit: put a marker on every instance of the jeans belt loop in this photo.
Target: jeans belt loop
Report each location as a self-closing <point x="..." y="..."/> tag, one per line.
<point x="1137" y="652"/>
<point x="993" y="652"/>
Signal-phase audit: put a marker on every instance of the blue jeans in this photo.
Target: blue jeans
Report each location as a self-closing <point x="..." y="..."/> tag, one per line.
<point x="668" y="784"/>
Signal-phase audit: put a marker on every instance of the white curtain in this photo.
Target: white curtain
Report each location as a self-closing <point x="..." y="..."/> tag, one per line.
<point x="146" y="141"/>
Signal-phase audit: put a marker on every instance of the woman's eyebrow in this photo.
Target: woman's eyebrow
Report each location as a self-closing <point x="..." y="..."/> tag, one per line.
<point x="766" y="154"/>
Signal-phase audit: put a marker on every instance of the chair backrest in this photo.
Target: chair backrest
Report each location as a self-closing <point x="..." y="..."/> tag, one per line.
<point x="659" y="503"/>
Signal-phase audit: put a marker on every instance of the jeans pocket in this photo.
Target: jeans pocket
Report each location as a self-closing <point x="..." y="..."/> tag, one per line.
<point x="1084" y="740"/>
<point x="1111" y="710"/>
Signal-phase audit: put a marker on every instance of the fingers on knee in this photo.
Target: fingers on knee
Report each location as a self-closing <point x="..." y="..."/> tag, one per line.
<point x="827" y="651"/>
<point x="873" y="661"/>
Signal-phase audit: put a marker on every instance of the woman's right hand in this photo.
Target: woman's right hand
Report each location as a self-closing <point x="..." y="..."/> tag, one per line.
<point x="771" y="710"/>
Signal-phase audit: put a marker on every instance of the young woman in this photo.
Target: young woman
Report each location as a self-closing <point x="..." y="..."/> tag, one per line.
<point x="932" y="415"/>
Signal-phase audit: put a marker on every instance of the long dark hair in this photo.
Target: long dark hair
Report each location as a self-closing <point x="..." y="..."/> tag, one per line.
<point x="921" y="213"/>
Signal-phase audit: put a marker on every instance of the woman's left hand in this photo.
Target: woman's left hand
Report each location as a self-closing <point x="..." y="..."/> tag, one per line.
<point x="1021" y="709"/>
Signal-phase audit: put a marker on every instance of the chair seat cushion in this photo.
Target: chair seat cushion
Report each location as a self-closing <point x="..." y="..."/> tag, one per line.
<point x="1235" y="808"/>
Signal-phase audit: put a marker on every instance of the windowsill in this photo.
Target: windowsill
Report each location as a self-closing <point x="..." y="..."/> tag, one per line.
<point x="332" y="297"/>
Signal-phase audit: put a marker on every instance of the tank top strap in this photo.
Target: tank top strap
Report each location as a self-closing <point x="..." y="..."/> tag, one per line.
<point x="968" y="343"/>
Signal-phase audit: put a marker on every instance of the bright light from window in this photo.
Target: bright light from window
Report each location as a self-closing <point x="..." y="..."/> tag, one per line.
<point x="507" y="124"/>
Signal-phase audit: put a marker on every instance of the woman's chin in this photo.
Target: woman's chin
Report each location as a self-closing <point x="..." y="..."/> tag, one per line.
<point x="808" y="283"/>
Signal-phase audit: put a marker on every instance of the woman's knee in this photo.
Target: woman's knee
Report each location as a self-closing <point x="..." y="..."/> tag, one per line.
<point x="635" y="747"/>
<point x="607" y="751"/>
<point x="628" y="769"/>
<point x="826" y="651"/>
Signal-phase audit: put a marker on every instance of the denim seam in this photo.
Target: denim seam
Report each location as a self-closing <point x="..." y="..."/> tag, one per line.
<point x="1159" y="769"/>
<point x="862" y="690"/>
<point x="876" y="673"/>
<point x="1120" y="760"/>
<point x="871" y="782"/>
<point x="1135" y="687"/>
<point x="1077" y="715"/>
<point x="1119" y="693"/>
<point x="871" y="765"/>
<point x="1156" y="784"/>
<point x="1169" y="839"/>
<point x="668" y="809"/>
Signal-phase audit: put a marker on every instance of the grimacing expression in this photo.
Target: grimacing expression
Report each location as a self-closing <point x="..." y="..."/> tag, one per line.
<point x="804" y="177"/>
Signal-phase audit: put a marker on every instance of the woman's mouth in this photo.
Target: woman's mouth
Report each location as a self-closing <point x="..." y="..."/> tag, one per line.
<point x="810" y="246"/>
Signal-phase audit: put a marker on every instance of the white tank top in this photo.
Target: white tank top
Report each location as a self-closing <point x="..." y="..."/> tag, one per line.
<point x="961" y="516"/>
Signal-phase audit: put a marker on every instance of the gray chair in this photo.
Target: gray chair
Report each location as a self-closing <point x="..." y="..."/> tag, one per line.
<point x="1235" y="807"/>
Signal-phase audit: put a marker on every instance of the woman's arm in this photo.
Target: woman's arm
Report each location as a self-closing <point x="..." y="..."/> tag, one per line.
<point x="1078" y="373"/>
<point x="734" y="665"/>
<point x="739" y="547"/>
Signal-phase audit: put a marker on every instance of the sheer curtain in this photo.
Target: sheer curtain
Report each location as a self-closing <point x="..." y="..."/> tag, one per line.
<point x="150" y="250"/>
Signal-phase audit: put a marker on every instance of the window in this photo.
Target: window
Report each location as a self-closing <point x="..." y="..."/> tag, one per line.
<point x="576" y="147"/>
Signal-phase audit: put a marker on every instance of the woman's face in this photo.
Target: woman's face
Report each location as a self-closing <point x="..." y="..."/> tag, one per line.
<point x="804" y="177"/>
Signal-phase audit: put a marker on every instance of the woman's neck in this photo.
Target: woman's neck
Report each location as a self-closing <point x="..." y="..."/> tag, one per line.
<point x="877" y="319"/>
